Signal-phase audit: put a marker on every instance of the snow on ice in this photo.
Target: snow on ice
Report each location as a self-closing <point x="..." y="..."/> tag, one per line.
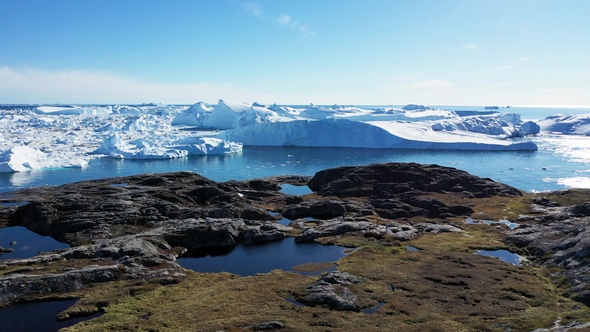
<point x="567" y="124"/>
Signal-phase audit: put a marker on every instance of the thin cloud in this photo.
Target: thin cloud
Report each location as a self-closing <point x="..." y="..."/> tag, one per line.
<point x="503" y="67"/>
<point x="254" y="9"/>
<point x="281" y="19"/>
<point x="470" y="46"/>
<point x="500" y="85"/>
<point x="432" y="84"/>
<point x="511" y="65"/>
<point x="30" y="86"/>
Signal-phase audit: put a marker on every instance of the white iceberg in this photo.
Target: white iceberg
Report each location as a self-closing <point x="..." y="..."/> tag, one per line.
<point x="69" y="136"/>
<point x="116" y="147"/>
<point x="74" y="110"/>
<point x="193" y="116"/>
<point x="227" y="115"/>
<point x="20" y="158"/>
<point x="567" y="124"/>
<point x="377" y="134"/>
<point x="505" y="125"/>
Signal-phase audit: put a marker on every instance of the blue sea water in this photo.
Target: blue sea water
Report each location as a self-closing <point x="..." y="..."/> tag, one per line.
<point x="561" y="162"/>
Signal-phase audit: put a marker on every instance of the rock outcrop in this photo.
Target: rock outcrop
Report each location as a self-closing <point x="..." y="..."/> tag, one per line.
<point x="134" y="228"/>
<point x="559" y="237"/>
<point x="332" y="290"/>
<point x="392" y="179"/>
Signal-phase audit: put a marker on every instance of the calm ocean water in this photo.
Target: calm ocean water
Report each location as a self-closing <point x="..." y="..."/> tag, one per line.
<point x="561" y="162"/>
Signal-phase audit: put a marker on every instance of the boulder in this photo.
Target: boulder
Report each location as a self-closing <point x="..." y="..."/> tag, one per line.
<point x="331" y="290"/>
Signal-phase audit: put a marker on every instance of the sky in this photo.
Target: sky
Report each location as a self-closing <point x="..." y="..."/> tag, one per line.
<point x="376" y="52"/>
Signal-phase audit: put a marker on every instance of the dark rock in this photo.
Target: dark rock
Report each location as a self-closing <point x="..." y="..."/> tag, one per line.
<point x="19" y="286"/>
<point x="290" y="200"/>
<point x="5" y="250"/>
<point x="319" y="210"/>
<point x="264" y="233"/>
<point x="391" y="179"/>
<point x="461" y="210"/>
<point x="195" y="234"/>
<point x="581" y="210"/>
<point x="543" y="201"/>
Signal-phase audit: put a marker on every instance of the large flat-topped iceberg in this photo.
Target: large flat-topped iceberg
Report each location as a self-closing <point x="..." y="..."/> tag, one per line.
<point x="376" y="134"/>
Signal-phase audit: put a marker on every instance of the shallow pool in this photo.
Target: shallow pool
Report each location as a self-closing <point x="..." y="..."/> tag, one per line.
<point x="26" y="243"/>
<point x="248" y="260"/>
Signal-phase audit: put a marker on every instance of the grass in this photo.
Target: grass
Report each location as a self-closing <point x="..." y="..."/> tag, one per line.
<point x="443" y="287"/>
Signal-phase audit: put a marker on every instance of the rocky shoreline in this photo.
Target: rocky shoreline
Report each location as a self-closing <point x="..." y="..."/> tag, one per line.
<point x="130" y="230"/>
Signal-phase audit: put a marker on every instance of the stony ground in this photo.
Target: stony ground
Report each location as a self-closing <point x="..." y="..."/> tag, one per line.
<point x="126" y="234"/>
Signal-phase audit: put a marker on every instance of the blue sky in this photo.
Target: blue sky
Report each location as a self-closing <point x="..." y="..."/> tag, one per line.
<point x="434" y="52"/>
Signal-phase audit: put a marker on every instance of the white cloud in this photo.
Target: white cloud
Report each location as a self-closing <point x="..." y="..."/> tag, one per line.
<point x="470" y="46"/>
<point x="85" y="86"/>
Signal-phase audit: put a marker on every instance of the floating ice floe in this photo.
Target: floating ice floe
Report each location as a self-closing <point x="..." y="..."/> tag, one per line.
<point x="24" y="158"/>
<point x="115" y="147"/>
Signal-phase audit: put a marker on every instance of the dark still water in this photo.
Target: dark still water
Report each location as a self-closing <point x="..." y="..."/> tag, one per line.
<point x="26" y="243"/>
<point x="248" y="260"/>
<point x="37" y="317"/>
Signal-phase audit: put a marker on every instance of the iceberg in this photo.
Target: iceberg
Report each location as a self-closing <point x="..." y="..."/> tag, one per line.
<point x="377" y="134"/>
<point x="227" y="115"/>
<point x="504" y="124"/>
<point x="74" y="110"/>
<point x="20" y="158"/>
<point x="71" y="135"/>
<point x="193" y="116"/>
<point x="24" y="158"/>
<point x="116" y="147"/>
<point x="566" y="124"/>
